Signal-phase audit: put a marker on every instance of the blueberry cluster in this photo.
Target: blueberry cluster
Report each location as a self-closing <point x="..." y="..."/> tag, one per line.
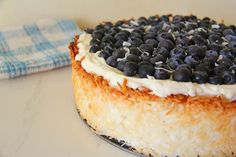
<point x="181" y="48"/>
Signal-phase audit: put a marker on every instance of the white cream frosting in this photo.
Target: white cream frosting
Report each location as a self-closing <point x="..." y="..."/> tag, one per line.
<point x="92" y="63"/>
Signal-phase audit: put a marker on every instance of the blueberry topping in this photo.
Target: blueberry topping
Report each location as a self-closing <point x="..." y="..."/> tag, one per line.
<point x="112" y="61"/>
<point x="179" y="48"/>
<point x="182" y="75"/>
<point x="130" y="68"/>
<point x="200" y="76"/>
<point x="144" y="70"/>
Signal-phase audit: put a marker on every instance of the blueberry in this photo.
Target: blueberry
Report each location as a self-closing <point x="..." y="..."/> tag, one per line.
<point x="178" y="52"/>
<point x="184" y="66"/>
<point x="89" y="30"/>
<point x="226" y="53"/>
<point x="94" y="48"/>
<point x="182" y="75"/>
<point x="112" y="61"/>
<point x="168" y="44"/>
<point x="196" y="50"/>
<point x="142" y="21"/>
<point x="94" y="42"/>
<point x="164" y="18"/>
<point x="134" y="58"/>
<point x="108" y="25"/>
<point x="135" y="34"/>
<point x="121" y="64"/>
<point x="136" y="42"/>
<point x="97" y="35"/>
<point x="230" y="38"/>
<point x="130" y="68"/>
<point x="121" y="36"/>
<point x="209" y="61"/>
<point x="112" y="31"/>
<point x="108" y="38"/>
<point x="149" y="36"/>
<point x="145" y="56"/>
<point x="228" y="77"/>
<point x="226" y="61"/>
<point x="99" y="27"/>
<point x="174" y="62"/>
<point x="119" y="43"/>
<point x="146" y="48"/>
<point x="228" y="32"/>
<point x="152" y="42"/>
<point x="157" y="58"/>
<point x="184" y="41"/>
<point x="162" y="51"/>
<point x="212" y="54"/>
<point x="204" y="67"/>
<point x="104" y="54"/>
<point x="219" y="69"/>
<point x="191" y="26"/>
<point x="165" y="35"/>
<point x="177" y="19"/>
<point x="215" y="80"/>
<point x="144" y="70"/>
<point x="144" y="63"/>
<point x="108" y="49"/>
<point x="200" y="76"/>
<point x="233" y="69"/>
<point x="203" y="33"/>
<point x="214" y="38"/>
<point x="192" y="60"/>
<point x="161" y="74"/>
<point x="134" y="50"/>
<point x="119" y="53"/>
<point x="198" y="40"/>
<point x="215" y="47"/>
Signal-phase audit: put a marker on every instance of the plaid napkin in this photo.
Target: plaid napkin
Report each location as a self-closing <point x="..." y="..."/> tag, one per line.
<point x="36" y="47"/>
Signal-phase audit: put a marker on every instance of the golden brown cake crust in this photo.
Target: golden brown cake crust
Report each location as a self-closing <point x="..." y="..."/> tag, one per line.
<point x="209" y="123"/>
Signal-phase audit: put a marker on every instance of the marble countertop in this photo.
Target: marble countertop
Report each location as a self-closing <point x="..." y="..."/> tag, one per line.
<point x="38" y="118"/>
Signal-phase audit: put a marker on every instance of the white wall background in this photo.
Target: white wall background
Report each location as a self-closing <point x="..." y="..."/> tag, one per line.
<point x="89" y="12"/>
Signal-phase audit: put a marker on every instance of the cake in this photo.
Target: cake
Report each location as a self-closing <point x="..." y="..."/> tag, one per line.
<point x="164" y="86"/>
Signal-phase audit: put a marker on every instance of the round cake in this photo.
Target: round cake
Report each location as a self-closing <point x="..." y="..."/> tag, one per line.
<point x="164" y="86"/>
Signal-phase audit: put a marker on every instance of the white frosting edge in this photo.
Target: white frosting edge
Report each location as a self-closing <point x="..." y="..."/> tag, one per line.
<point x="92" y="63"/>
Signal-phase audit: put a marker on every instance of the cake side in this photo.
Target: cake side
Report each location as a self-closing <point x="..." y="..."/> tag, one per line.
<point x="171" y="126"/>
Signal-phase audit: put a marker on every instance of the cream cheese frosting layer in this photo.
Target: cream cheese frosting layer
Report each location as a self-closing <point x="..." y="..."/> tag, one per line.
<point x="92" y="63"/>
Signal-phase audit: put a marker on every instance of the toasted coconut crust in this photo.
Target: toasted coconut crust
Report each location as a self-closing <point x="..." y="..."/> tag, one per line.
<point x="176" y="125"/>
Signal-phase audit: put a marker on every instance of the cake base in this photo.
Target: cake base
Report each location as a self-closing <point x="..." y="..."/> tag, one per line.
<point x="113" y="141"/>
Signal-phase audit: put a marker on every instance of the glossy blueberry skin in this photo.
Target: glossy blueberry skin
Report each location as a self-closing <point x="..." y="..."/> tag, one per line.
<point x="174" y="62"/>
<point x="119" y="53"/>
<point x="152" y="42"/>
<point x="144" y="70"/>
<point x="161" y="74"/>
<point x="121" y="36"/>
<point x="146" y="48"/>
<point x="217" y="79"/>
<point x="157" y="58"/>
<point x="200" y="77"/>
<point x="162" y="51"/>
<point x="228" y="77"/>
<point x="130" y="68"/>
<point x="136" y="42"/>
<point x="212" y="53"/>
<point x="196" y="50"/>
<point x="135" y="50"/>
<point x="204" y="67"/>
<point x="168" y="44"/>
<point x="178" y="52"/>
<point x="112" y="61"/>
<point x="192" y="60"/>
<point x="134" y="58"/>
<point x="182" y="75"/>
<point x="228" y="32"/>
<point x="166" y="36"/>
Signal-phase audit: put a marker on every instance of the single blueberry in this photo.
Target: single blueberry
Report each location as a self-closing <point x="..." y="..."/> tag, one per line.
<point x="144" y="70"/>
<point x="204" y="67"/>
<point x="108" y="25"/>
<point x="121" y="36"/>
<point x="118" y="43"/>
<point x="94" y="48"/>
<point x="228" y="77"/>
<point x="121" y="64"/>
<point x="108" y="38"/>
<point x="178" y="19"/>
<point x="97" y="35"/>
<point x="112" y="61"/>
<point x="196" y="50"/>
<point x="108" y="48"/>
<point x="174" y="62"/>
<point x="162" y="74"/>
<point x="215" y="79"/>
<point x="226" y="61"/>
<point x="142" y="21"/>
<point x="192" y="60"/>
<point x="162" y="51"/>
<point x="145" y="56"/>
<point x="164" y="18"/>
<point x="168" y="44"/>
<point x="130" y="68"/>
<point x="178" y="52"/>
<point x="149" y="36"/>
<point x="198" y="40"/>
<point x="228" y="32"/>
<point x="119" y="53"/>
<point x="209" y="61"/>
<point x="184" y="66"/>
<point x="182" y="75"/>
<point x="104" y="54"/>
<point x="200" y="76"/>
<point x="135" y="42"/>
<point x="157" y="58"/>
<point x="135" y="50"/>
<point x="165" y="35"/>
<point x="146" y="48"/>
<point x="212" y="54"/>
<point x="152" y="42"/>
<point x="134" y="58"/>
<point x="219" y="69"/>
<point x="226" y="53"/>
<point x="135" y="34"/>
<point x="214" y="38"/>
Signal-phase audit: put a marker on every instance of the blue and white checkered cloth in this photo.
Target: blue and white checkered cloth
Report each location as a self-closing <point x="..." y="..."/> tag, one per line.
<point x="36" y="47"/>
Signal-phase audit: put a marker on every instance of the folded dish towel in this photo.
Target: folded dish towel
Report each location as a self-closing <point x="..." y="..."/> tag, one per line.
<point x="36" y="47"/>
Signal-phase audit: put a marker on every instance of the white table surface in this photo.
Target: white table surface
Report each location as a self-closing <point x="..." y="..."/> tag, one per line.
<point x="38" y="118"/>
